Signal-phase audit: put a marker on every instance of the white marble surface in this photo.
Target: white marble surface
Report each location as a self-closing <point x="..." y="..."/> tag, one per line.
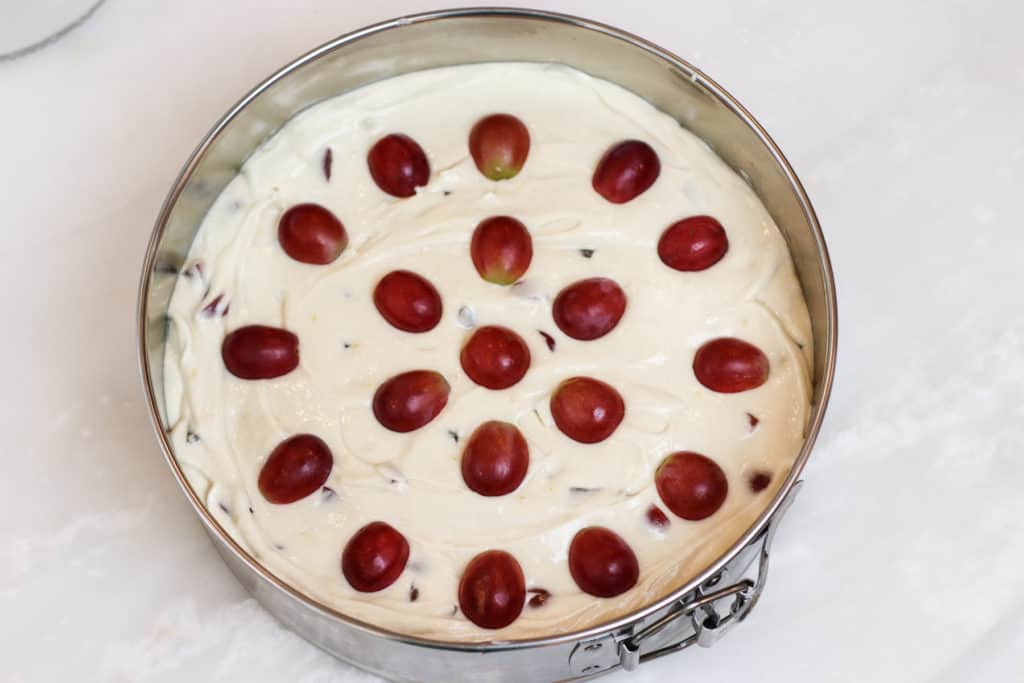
<point x="902" y="559"/>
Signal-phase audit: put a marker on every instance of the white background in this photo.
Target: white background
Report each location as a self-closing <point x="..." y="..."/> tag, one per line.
<point x="901" y="561"/>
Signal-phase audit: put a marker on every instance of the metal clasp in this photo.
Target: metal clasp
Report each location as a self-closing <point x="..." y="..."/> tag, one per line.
<point x="706" y="623"/>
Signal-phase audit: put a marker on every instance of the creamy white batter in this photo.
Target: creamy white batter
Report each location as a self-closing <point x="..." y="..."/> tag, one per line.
<point x="224" y="427"/>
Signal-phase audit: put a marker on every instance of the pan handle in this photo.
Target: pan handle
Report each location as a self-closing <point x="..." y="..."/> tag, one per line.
<point x="706" y="616"/>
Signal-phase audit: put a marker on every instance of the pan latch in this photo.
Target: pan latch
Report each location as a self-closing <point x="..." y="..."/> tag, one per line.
<point x="713" y="610"/>
<point x="708" y="621"/>
<point x="701" y="618"/>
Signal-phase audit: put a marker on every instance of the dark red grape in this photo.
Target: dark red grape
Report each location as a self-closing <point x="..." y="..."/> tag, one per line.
<point x="398" y="165"/>
<point x="589" y="309"/>
<point x="410" y="400"/>
<point x="328" y="162"/>
<point x="375" y="557"/>
<point x="495" y="459"/>
<point x="492" y="589"/>
<point x="656" y="517"/>
<point x="587" y="410"/>
<point x="501" y="249"/>
<point x="297" y="467"/>
<point x="217" y="307"/>
<point x="408" y="301"/>
<point x="260" y="352"/>
<point x="691" y="485"/>
<point x="601" y="563"/>
<point x="694" y="243"/>
<point x="626" y="170"/>
<point x="539" y="597"/>
<point x="759" y="481"/>
<point x="311" y="234"/>
<point x="499" y="144"/>
<point x="729" y="365"/>
<point x="495" y="357"/>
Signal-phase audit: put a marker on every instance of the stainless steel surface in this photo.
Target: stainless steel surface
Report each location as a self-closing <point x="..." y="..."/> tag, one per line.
<point x="478" y="35"/>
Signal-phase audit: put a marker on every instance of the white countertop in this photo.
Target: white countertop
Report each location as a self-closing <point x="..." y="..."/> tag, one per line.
<point x="901" y="560"/>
